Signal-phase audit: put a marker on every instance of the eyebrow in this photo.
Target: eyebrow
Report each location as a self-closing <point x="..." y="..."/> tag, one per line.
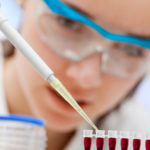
<point x="83" y="12"/>
<point x="145" y="37"/>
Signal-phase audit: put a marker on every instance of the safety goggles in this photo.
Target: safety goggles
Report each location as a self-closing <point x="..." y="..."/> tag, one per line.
<point x="71" y="34"/>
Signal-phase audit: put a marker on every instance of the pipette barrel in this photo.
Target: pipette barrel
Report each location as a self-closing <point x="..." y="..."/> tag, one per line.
<point x="16" y="39"/>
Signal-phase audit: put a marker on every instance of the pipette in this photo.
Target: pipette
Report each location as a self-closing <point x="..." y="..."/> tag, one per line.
<point x="16" y="39"/>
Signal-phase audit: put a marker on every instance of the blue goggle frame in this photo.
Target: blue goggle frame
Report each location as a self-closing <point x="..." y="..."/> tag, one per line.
<point x="61" y="8"/>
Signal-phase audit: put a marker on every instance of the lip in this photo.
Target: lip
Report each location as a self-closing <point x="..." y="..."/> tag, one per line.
<point x="58" y="102"/>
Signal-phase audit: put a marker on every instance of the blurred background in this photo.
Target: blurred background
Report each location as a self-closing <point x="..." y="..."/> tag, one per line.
<point x="14" y="14"/>
<point x="12" y="11"/>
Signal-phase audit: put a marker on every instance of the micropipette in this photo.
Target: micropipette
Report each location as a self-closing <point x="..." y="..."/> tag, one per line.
<point x="16" y="39"/>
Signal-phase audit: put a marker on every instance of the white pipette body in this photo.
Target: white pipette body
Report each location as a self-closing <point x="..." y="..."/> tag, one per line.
<point x="16" y="39"/>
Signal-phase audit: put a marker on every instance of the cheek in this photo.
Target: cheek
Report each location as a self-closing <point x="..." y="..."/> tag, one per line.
<point x="111" y="93"/>
<point x="32" y="84"/>
<point x="27" y="75"/>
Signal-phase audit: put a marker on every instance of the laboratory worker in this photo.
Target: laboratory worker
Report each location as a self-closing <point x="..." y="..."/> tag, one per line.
<point x="99" y="49"/>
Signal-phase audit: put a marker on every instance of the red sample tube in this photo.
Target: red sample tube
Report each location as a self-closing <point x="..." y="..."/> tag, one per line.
<point x="124" y="143"/>
<point x="100" y="136"/>
<point x="100" y="143"/>
<point x="87" y="143"/>
<point x="112" y="139"/>
<point x="112" y="143"/>
<point x="147" y="144"/>
<point x="87" y="134"/>
<point x="136" y="144"/>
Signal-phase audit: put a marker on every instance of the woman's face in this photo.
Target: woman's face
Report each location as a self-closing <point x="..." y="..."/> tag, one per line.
<point x="95" y="91"/>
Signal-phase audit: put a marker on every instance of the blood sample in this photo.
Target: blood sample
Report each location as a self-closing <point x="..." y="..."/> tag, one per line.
<point x="147" y="144"/>
<point x="124" y="143"/>
<point x="99" y="143"/>
<point x="112" y="143"/>
<point x="87" y="134"/>
<point x="124" y="135"/>
<point x="87" y="143"/>
<point x="136" y="144"/>
<point x="100" y="135"/>
<point x="112" y="135"/>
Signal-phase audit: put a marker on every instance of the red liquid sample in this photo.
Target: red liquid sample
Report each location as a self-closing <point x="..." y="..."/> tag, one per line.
<point x="147" y="144"/>
<point x="124" y="143"/>
<point x="99" y="143"/>
<point x="87" y="143"/>
<point x="112" y="143"/>
<point x="136" y="144"/>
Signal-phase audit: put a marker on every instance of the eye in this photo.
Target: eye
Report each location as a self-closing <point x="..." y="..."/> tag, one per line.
<point x="68" y="23"/>
<point x="130" y="50"/>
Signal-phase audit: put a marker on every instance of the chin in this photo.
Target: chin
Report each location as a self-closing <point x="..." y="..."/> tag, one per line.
<point x="59" y="123"/>
<point x="61" y="128"/>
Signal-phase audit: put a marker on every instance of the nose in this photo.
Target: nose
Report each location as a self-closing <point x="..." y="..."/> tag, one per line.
<point x="86" y="73"/>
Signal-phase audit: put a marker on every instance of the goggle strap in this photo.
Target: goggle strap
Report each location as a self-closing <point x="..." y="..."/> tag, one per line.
<point x="61" y="8"/>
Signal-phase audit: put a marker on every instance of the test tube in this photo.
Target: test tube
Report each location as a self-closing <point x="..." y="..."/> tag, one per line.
<point x="147" y="141"/>
<point x="18" y="132"/>
<point x="100" y="136"/>
<point x="124" y="140"/>
<point x="136" y="140"/>
<point x="87" y="134"/>
<point x="112" y="139"/>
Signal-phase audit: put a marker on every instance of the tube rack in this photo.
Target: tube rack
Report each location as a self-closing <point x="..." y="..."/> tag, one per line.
<point x="113" y="136"/>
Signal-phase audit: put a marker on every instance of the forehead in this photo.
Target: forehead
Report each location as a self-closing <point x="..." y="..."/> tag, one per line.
<point x="124" y="16"/>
